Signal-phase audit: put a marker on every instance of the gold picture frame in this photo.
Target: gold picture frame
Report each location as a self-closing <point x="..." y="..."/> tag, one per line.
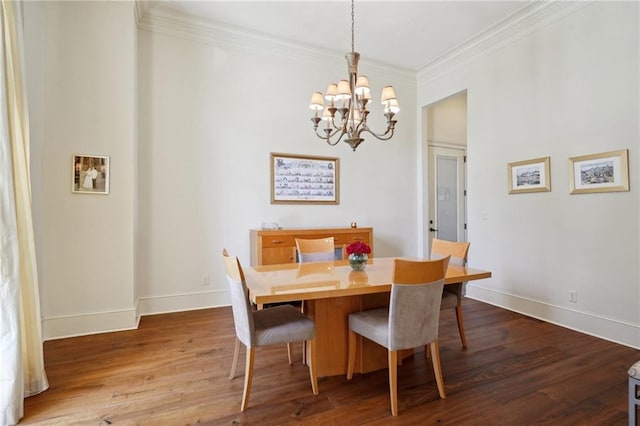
<point x="603" y="172"/>
<point x="529" y="175"/>
<point x="304" y="179"/>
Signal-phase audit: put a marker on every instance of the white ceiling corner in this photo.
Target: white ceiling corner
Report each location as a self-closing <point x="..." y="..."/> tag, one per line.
<point x="423" y="37"/>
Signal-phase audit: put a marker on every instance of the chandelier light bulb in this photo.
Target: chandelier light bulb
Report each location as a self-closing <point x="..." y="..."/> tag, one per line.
<point x="332" y="91"/>
<point x="387" y="94"/>
<point x="344" y="91"/>
<point x="317" y="101"/>
<point x="326" y="114"/>
<point x="393" y="106"/>
<point x="362" y="85"/>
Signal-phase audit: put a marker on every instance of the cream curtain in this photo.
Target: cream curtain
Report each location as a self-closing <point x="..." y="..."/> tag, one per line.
<point x="21" y="358"/>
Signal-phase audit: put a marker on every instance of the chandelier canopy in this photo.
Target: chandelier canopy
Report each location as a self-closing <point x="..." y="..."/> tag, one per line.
<point x="345" y="115"/>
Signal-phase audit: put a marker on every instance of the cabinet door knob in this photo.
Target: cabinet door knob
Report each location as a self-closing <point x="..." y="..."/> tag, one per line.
<point x="277" y="241"/>
<point x="356" y="238"/>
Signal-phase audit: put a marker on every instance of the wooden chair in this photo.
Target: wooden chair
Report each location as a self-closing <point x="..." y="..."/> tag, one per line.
<point x="315" y="250"/>
<point x="453" y="293"/>
<point x="269" y="326"/>
<point x="410" y="321"/>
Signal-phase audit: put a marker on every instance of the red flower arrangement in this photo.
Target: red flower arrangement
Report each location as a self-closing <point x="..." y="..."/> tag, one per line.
<point x="358" y="247"/>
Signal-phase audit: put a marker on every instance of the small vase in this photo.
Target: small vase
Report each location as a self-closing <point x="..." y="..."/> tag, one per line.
<point x="358" y="262"/>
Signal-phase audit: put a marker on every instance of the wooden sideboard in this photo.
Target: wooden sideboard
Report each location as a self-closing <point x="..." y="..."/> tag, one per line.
<point x="270" y="247"/>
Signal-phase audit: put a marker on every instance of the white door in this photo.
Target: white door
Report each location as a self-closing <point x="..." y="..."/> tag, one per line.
<point x="447" y="193"/>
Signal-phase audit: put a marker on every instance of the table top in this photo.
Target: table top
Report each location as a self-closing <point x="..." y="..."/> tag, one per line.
<point x="318" y="280"/>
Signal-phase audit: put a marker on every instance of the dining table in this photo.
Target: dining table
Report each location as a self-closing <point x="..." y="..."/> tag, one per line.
<point x="329" y="292"/>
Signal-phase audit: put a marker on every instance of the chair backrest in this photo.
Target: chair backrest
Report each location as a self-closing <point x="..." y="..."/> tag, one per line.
<point x="315" y="250"/>
<point x="457" y="250"/>
<point x="240" y="304"/>
<point x="414" y="309"/>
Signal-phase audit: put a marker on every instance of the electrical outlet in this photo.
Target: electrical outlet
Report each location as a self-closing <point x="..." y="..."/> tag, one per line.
<point x="205" y="280"/>
<point x="573" y="296"/>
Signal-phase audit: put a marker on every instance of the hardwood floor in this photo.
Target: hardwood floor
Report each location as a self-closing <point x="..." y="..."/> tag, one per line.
<point x="174" y="370"/>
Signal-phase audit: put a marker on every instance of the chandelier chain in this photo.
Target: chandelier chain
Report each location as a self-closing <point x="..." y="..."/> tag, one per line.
<point x="352" y="28"/>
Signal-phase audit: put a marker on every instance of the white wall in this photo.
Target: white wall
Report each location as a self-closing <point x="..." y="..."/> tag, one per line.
<point x="447" y="121"/>
<point x="197" y="178"/>
<point x="80" y="59"/>
<point x="569" y="89"/>
<point x="210" y="116"/>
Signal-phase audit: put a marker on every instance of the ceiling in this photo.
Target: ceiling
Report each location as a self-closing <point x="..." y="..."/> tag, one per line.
<point x="406" y="34"/>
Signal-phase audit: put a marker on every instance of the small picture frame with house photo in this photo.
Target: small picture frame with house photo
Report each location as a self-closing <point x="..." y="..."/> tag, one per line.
<point x="90" y="174"/>
<point x="529" y="176"/>
<point x="604" y="172"/>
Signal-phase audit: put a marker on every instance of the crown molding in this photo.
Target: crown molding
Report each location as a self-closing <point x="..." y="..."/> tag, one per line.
<point x="162" y="19"/>
<point x="140" y="8"/>
<point x="165" y="20"/>
<point x="525" y="21"/>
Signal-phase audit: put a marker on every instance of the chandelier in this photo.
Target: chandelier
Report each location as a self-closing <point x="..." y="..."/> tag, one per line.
<point x="345" y="115"/>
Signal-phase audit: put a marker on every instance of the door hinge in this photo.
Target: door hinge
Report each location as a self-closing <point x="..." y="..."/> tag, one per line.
<point x="465" y="226"/>
<point x="465" y="192"/>
<point x="464" y="158"/>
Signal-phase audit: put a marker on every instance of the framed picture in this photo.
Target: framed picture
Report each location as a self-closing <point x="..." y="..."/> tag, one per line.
<point x="604" y="172"/>
<point x="301" y="179"/>
<point x="529" y="176"/>
<point x="90" y="174"/>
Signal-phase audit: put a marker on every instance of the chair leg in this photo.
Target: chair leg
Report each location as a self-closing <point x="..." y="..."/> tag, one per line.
<point x="234" y="363"/>
<point x="248" y="375"/>
<point x="437" y="368"/>
<point x="393" y="381"/>
<point x="632" y="405"/>
<point x="311" y="360"/>
<point x="427" y="352"/>
<point x="634" y="401"/>
<point x="461" y="325"/>
<point x="290" y="352"/>
<point x="352" y="354"/>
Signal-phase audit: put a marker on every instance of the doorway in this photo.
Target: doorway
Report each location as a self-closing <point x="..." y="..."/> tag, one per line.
<point x="446" y="180"/>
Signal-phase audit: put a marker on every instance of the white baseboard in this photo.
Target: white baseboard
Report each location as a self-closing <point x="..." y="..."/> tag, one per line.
<point x="89" y="323"/>
<point x="610" y="329"/>
<point x="183" y="302"/>
<point x="128" y="319"/>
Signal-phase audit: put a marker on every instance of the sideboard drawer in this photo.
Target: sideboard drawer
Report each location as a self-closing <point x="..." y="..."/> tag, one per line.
<point x="360" y="236"/>
<point x="278" y="241"/>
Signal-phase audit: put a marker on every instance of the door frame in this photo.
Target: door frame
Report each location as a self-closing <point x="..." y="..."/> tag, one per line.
<point x="424" y="201"/>
<point x="461" y="154"/>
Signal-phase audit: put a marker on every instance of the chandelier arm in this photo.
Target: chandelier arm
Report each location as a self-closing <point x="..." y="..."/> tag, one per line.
<point x="388" y="134"/>
<point x="328" y="138"/>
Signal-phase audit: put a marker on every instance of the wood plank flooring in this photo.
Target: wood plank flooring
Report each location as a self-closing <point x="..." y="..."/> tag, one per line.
<point x="174" y="370"/>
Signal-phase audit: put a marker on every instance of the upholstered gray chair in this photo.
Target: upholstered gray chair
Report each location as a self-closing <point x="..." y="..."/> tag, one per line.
<point x="453" y="293"/>
<point x="410" y="321"/>
<point x="269" y="326"/>
<point x="634" y="393"/>
<point x="315" y="250"/>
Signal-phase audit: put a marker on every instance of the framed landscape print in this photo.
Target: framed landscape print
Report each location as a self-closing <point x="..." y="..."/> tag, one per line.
<point x="604" y="172"/>
<point x="529" y="176"/>
<point x="304" y="179"/>
<point x="90" y="174"/>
